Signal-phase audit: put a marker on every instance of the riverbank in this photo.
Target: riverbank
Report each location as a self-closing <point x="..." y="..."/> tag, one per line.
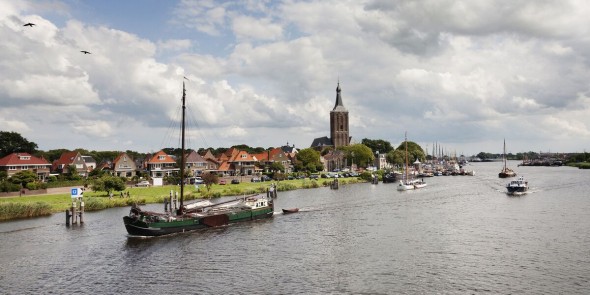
<point x="59" y="200"/>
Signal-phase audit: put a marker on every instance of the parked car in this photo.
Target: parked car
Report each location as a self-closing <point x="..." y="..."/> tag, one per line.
<point x="264" y="178"/>
<point x="222" y="182"/>
<point x="196" y="180"/>
<point x="235" y="181"/>
<point x="143" y="183"/>
<point x="314" y="176"/>
<point x="255" y="179"/>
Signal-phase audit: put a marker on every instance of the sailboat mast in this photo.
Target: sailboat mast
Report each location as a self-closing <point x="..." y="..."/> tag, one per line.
<point x="406" y="141"/>
<point x="504" y="154"/>
<point x="182" y="156"/>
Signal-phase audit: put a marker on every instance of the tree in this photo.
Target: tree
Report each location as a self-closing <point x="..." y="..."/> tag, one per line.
<point x="12" y="142"/>
<point x="309" y="160"/>
<point x="72" y="173"/>
<point x="3" y="175"/>
<point x="23" y="177"/>
<point x="108" y="183"/>
<point x="361" y="154"/>
<point x="414" y="151"/>
<point x="396" y="157"/>
<point x="209" y="179"/>
<point x="378" y="145"/>
<point x="277" y="166"/>
<point x="52" y="155"/>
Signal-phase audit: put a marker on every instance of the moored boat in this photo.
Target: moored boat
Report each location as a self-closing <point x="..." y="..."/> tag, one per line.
<point x="410" y="185"/>
<point x="517" y="187"/>
<point x="406" y="183"/>
<point x="197" y="215"/>
<point x="290" y="210"/>
<point x="147" y="223"/>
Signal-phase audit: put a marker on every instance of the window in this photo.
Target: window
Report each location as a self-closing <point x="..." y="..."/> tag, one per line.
<point x="24" y="157"/>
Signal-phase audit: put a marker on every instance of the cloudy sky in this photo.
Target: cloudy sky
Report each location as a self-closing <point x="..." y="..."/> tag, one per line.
<point x="465" y="74"/>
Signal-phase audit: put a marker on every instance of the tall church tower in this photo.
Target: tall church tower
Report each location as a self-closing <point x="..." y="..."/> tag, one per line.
<point x="339" y="122"/>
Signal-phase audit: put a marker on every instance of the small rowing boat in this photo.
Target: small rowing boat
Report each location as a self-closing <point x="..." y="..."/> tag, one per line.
<point x="292" y="210"/>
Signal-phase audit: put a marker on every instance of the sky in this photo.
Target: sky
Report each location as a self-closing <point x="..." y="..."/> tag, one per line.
<point x="465" y="75"/>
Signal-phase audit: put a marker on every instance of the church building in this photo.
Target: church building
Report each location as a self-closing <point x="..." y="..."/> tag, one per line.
<point x="339" y="132"/>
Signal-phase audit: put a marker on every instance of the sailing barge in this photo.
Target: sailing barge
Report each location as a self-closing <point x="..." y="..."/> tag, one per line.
<point x="147" y="223"/>
<point x="198" y="215"/>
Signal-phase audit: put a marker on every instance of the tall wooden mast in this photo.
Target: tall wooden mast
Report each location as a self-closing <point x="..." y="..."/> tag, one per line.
<point x="406" y="141"/>
<point x="182" y="156"/>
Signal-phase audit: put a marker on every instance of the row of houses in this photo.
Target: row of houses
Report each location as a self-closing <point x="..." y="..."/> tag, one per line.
<point x="231" y="163"/>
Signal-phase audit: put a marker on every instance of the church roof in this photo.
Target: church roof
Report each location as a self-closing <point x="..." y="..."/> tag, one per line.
<point x="321" y="141"/>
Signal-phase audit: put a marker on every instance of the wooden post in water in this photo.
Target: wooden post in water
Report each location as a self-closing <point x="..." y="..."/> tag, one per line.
<point x="68" y="216"/>
<point x="81" y="210"/>
<point x="334" y="183"/>
<point x="74" y="216"/>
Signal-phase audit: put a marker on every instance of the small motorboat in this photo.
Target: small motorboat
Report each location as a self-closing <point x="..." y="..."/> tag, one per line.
<point x="291" y="210"/>
<point x="517" y="187"/>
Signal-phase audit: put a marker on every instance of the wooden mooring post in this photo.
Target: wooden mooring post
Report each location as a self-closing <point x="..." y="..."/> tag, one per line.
<point x="77" y="209"/>
<point x="334" y="184"/>
<point x="271" y="192"/>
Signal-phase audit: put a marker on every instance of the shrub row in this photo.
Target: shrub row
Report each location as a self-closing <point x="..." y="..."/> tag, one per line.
<point x="23" y="210"/>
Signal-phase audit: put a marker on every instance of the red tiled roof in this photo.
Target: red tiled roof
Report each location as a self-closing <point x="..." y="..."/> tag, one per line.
<point x="261" y="157"/>
<point x="225" y="166"/>
<point x="18" y="159"/>
<point x="66" y="158"/>
<point x="156" y="158"/>
<point x="243" y="156"/>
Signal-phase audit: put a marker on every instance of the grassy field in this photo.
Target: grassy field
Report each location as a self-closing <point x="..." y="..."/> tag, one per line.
<point x="31" y="206"/>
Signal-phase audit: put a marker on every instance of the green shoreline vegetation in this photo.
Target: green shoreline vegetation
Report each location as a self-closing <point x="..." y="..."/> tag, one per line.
<point x="44" y="205"/>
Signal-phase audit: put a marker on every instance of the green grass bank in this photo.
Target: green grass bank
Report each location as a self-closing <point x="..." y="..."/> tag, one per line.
<point x="43" y="205"/>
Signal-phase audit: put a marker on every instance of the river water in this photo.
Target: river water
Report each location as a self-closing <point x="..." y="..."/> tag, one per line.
<point x="459" y="235"/>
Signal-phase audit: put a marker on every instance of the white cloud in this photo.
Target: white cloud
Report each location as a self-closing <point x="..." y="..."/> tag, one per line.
<point x="93" y="128"/>
<point x="246" y="27"/>
<point x="266" y="72"/>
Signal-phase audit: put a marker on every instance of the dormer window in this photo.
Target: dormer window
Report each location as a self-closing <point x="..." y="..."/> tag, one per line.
<point x="243" y="156"/>
<point x="25" y="157"/>
<point x="161" y="157"/>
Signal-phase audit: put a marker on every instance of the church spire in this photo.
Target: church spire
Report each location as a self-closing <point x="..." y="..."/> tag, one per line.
<point x="338" y="106"/>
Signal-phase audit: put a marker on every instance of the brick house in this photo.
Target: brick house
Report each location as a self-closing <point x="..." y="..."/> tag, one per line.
<point x="123" y="166"/>
<point x="195" y="163"/>
<point x="67" y="159"/>
<point x="161" y="164"/>
<point x="17" y="162"/>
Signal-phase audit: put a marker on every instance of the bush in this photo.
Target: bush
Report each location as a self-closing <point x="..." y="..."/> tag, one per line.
<point x="282" y="186"/>
<point x="23" y="210"/>
<point x="6" y="187"/>
<point x="32" y="186"/>
<point x="310" y="184"/>
<point x="367" y="176"/>
<point x="97" y="203"/>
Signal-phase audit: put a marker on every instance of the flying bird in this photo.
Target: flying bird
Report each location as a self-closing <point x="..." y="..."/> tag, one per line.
<point x="85" y="52"/>
<point x="29" y="25"/>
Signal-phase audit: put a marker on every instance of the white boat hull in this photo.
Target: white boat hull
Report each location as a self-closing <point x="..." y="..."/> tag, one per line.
<point x="411" y="185"/>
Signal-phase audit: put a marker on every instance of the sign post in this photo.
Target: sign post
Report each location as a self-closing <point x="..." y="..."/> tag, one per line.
<point x="76" y="195"/>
